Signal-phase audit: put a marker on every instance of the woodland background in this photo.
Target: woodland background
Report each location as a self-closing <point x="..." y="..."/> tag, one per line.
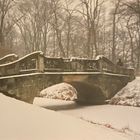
<point x="72" y="28"/>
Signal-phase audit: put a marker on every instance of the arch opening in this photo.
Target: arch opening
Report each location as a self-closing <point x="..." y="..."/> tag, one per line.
<point x="88" y="94"/>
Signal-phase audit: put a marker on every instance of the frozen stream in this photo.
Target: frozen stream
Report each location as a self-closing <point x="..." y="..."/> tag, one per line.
<point x="123" y="119"/>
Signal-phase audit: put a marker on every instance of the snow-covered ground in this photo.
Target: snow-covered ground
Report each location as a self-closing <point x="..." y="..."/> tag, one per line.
<point x="22" y="121"/>
<point x="129" y="95"/>
<point x="123" y="119"/>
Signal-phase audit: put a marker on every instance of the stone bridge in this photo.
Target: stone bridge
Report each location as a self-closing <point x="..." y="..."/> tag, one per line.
<point x="95" y="80"/>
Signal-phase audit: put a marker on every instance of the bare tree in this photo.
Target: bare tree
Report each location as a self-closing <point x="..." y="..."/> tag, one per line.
<point x="132" y="11"/>
<point x="34" y="26"/>
<point x="68" y="22"/>
<point x="91" y="13"/>
<point x="5" y="24"/>
<point x="57" y="26"/>
<point x="114" y="20"/>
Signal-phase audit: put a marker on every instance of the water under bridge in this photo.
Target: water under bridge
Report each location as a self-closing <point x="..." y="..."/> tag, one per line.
<point x="95" y="80"/>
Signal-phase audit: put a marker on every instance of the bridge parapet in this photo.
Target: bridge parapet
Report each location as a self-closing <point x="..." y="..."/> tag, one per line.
<point x="80" y="65"/>
<point x="70" y="64"/>
<point x="37" y="62"/>
<point x="53" y="64"/>
<point x="27" y="64"/>
<point x="107" y="66"/>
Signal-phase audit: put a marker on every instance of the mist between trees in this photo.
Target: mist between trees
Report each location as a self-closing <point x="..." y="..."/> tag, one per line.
<point x="69" y="28"/>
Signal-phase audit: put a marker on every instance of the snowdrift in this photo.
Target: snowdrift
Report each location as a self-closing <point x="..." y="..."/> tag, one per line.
<point x="22" y="121"/>
<point x="61" y="91"/>
<point x="129" y="95"/>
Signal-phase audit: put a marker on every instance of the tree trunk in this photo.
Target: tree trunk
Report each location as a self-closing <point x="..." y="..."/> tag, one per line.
<point x="113" y="39"/>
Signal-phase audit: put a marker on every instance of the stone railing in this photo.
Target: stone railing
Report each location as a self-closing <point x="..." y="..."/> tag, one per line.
<point x="107" y="66"/>
<point x="80" y="65"/>
<point x="70" y="65"/>
<point x="27" y="64"/>
<point x="37" y="62"/>
<point x="53" y="64"/>
<point x="8" y="58"/>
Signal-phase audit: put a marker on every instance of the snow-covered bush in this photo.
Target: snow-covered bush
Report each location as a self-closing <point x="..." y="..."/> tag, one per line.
<point x="61" y="91"/>
<point x="129" y="95"/>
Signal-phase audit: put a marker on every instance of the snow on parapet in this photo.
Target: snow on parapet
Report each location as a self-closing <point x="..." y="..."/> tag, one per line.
<point x="48" y="57"/>
<point x="79" y="58"/>
<point x="99" y="57"/>
<point x="9" y="55"/>
<point x="105" y="59"/>
<point x="28" y="55"/>
<point x="33" y="53"/>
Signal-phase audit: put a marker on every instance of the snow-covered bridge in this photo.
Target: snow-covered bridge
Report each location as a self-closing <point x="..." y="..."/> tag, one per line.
<point x="95" y="80"/>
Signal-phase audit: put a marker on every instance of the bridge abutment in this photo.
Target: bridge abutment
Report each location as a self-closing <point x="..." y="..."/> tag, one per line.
<point x="27" y="87"/>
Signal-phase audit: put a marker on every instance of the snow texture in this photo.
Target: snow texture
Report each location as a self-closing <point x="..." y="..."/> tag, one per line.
<point x="99" y="57"/>
<point x="62" y="91"/>
<point x="9" y="55"/>
<point x="123" y="119"/>
<point x="129" y="95"/>
<point x="22" y="121"/>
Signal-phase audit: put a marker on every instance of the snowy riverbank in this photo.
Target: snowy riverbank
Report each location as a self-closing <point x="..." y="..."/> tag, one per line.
<point x="22" y="121"/>
<point x="19" y="120"/>
<point x="129" y="95"/>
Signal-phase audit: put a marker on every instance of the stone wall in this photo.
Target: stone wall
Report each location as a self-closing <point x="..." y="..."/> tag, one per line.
<point x="26" y="87"/>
